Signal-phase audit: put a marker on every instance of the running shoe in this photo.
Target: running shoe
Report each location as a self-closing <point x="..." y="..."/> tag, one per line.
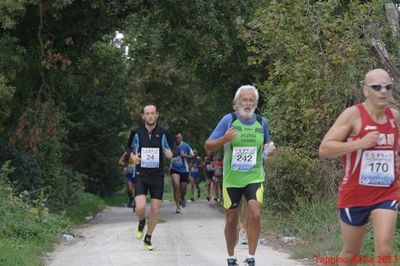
<point x="178" y="210"/>
<point x="183" y="203"/>
<point x="243" y="237"/>
<point x="139" y="234"/>
<point x="208" y="198"/>
<point x="148" y="245"/>
<point x="139" y="231"/>
<point x="129" y="204"/>
<point x="192" y="199"/>
<point x="232" y="262"/>
<point x="250" y="262"/>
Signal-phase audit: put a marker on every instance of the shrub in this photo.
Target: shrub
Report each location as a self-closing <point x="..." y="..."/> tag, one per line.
<point x="64" y="188"/>
<point x="15" y="211"/>
<point x="88" y="204"/>
<point x="35" y="177"/>
<point x="26" y="174"/>
<point x="291" y="178"/>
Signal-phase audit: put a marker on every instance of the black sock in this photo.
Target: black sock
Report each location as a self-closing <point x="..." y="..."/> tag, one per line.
<point x="147" y="238"/>
<point x="142" y="224"/>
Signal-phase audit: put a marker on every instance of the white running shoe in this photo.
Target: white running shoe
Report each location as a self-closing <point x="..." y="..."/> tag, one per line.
<point x="243" y="237"/>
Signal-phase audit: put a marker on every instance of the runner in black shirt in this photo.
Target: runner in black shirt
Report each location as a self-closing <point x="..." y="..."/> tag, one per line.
<point x="147" y="146"/>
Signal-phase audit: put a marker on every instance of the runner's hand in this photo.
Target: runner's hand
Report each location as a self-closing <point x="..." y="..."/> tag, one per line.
<point x="230" y="134"/>
<point x="135" y="157"/>
<point x="168" y="153"/>
<point x="369" y="140"/>
<point x="269" y="149"/>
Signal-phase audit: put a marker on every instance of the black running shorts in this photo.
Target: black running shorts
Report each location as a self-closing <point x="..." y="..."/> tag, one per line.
<point x="184" y="177"/>
<point x="232" y="196"/>
<point x="153" y="184"/>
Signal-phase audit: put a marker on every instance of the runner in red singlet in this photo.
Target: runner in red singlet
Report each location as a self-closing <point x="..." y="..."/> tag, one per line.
<point x="367" y="137"/>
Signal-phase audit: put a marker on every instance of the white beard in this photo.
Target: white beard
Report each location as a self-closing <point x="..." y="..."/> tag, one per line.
<point x="245" y="114"/>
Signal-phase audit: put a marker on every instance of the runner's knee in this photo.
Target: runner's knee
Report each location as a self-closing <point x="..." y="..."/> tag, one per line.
<point x="254" y="215"/>
<point x="231" y="218"/>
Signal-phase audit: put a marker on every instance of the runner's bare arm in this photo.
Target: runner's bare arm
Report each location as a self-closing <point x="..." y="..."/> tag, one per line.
<point x="188" y="156"/>
<point x="121" y="160"/>
<point x="334" y="144"/>
<point x="215" y="144"/>
<point x="396" y="115"/>
<point x="168" y="153"/>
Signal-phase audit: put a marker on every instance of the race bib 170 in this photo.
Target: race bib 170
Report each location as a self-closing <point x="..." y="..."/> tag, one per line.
<point x="377" y="168"/>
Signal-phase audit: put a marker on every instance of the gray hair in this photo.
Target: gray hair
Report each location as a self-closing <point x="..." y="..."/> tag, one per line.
<point x="245" y="88"/>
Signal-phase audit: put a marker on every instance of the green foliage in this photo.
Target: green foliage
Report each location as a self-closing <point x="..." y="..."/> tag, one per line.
<point x="27" y="174"/>
<point x="11" y="55"/>
<point x="316" y="228"/>
<point x="97" y="111"/>
<point x="191" y="56"/>
<point x="88" y="204"/>
<point x="10" y="10"/>
<point x="313" y="222"/>
<point x="12" y="254"/>
<point x="291" y="179"/>
<point x="63" y="188"/>
<point x="15" y="210"/>
<point x="66" y="94"/>
<point x="36" y="175"/>
<point x="183" y="105"/>
<point x="27" y="227"/>
<point x="312" y="215"/>
<point x="117" y="199"/>
<point x="6" y="93"/>
<point x="315" y="56"/>
<point x="314" y="225"/>
<point x="22" y="242"/>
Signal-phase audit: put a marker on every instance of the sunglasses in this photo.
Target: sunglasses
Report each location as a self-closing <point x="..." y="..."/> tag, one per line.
<point x="378" y="87"/>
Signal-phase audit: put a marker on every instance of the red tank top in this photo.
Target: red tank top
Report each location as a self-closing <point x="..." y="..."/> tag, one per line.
<point x="370" y="176"/>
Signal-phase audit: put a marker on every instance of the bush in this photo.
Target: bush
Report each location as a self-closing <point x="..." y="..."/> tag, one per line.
<point x="27" y="227"/>
<point x="88" y="204"/>
<point x="291" y="178"/>
<point x="64" y="188"/>
<point x="26" y="174"/>
<point x="42" y="177"/>
<point x="15" y="211"/>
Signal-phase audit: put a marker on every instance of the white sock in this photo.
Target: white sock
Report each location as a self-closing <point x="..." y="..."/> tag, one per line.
<point x="249" y="256"/>
<point x="231" y="257"/>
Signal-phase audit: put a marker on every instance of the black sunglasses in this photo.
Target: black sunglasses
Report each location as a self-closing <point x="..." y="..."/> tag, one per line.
<point x="378" y="87"/>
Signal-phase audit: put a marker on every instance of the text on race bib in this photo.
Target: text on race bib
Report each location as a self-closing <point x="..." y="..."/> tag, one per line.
<point x="150" y="158"/>
<point x="244" y="158"/>
<point x="377" y="168"/>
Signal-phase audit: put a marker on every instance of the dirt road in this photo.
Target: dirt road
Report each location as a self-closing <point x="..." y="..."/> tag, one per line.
<point x="192" y="238"/>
